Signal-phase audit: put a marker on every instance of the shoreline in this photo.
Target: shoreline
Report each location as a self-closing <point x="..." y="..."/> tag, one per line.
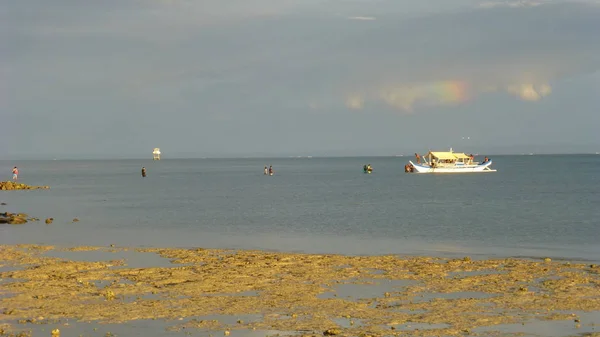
<point x="323" y="245"/>
<point x="293" y="293"/>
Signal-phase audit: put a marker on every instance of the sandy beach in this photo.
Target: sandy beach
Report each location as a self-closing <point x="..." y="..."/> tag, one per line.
<point x="97" y="291"/>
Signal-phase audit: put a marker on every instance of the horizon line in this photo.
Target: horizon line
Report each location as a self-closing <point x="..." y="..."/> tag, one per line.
<point x="46" y="158"/>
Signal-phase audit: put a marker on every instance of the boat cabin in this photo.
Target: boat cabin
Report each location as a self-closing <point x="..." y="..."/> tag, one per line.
<point x="442" y="159"/>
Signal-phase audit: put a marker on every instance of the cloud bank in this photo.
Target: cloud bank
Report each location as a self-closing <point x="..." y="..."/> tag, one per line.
<point x="247" y="72"/>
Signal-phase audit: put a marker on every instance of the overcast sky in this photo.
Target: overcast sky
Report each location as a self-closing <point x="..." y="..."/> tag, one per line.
<point x="297" y="77"/>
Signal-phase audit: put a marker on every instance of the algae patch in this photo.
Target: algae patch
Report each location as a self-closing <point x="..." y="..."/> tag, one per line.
<point x="306" y="294"/>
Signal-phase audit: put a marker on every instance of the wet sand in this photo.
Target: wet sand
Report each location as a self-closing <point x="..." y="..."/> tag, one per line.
<point x="103" y="291"/>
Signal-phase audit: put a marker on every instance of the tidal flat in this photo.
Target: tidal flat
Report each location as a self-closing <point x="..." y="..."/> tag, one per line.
<point x="117" y="291"/>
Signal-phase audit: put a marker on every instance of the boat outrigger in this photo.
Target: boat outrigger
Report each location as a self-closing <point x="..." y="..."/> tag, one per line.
<point x="448" y="162"/>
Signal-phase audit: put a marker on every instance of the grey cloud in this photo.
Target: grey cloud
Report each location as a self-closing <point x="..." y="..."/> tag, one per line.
<point x="206" y="69"/>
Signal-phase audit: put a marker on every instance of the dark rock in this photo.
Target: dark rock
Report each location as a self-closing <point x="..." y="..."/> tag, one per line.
<point x="13" y="219"/>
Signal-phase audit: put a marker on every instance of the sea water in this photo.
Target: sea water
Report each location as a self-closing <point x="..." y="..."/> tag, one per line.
<point x="533" y="206"/>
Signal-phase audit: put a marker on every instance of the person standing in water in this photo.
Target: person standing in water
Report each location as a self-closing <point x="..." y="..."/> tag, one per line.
<point x="266" y="170"/>
<point x="143" y="172"/>
<point x="271" y="170"/>
<point x="15" y="172"/>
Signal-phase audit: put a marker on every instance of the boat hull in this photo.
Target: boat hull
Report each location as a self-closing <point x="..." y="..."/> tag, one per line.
<point x="418" y="168"/>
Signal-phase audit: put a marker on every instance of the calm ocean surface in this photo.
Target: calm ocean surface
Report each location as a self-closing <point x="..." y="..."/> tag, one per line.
<point x="534" y="206"/>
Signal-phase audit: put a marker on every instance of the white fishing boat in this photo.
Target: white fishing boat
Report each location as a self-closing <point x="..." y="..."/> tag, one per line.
<point x="448" y="162"/>
<point x="156" y="154"/>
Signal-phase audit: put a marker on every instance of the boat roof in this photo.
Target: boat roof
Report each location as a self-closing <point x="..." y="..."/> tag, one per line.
<point x="449" y="155"/>
<point x="443" y="155"/>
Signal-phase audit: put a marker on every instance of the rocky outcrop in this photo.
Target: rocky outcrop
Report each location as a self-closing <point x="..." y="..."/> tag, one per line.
<point x="11" y="186"/>
<point x="15" y="218"/>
